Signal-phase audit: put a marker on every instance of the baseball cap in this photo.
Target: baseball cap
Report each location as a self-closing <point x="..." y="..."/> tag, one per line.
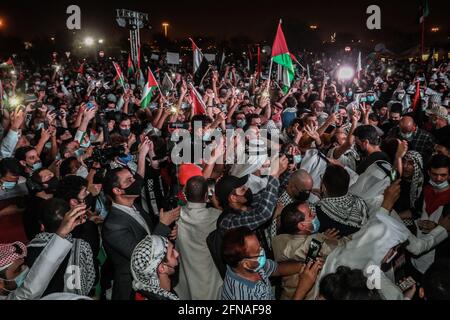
<point x="225" y="187"/>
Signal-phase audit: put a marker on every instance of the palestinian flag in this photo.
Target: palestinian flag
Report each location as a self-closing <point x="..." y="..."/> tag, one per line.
<point x="149" y="90"/>
<point x="130" y="66"/>
<point x="119" y="76"/>
<point x="198" y="106"/>
<point x="81" y="69"/>
<point x="282" y="56"/>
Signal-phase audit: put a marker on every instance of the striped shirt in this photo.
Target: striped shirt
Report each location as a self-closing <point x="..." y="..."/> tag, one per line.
<point x="237" y="288"/>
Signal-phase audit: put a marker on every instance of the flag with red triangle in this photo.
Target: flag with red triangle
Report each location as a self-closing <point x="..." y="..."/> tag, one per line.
<point x="119" y="77"/>
<point x="81" y="69"/>
<point x="198" y="106"/>
<point x="149" y="90"/>
<point x="416" y="97"/>
<point x="130" y="66"/>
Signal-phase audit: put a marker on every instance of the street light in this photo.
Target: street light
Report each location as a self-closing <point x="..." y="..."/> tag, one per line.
<point x="346" y="73"/>
<point x="101" y="41"/>
<point x="435" y="29"/>
<point x="313" y="27"/>
<point x="166" y="27"/>
<point x="89" y="41"/>
<point x="1" y="23"/>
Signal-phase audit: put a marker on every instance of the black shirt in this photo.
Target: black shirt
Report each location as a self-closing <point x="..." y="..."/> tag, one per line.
<point x="368" y="161"/>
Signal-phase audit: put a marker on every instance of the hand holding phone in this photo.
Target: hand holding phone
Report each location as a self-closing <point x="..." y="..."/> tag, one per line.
<point x="313" y="252"/>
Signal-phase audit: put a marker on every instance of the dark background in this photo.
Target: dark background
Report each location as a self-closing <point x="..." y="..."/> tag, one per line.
<point x="230" y="21"/>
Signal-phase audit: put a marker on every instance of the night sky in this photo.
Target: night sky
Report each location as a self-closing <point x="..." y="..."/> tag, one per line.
<point x="220" y="18"/>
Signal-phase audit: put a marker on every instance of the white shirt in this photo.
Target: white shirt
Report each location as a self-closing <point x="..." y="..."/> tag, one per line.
<point x="131" y="211"/>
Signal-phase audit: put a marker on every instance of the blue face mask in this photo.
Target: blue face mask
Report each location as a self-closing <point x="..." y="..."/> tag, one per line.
<point x="407" y="136"/>
<point x="126" y="159"/>
<point x="79" y="153"/>
<point x="370" y="99"/>
<point x="316" y="225"/>
<point x="207" y="137"/>
<point x="37" y="166"/>
<point x="20" y="279"/>
<point x="7" y="185"/>
<point x="261" y="261"/>
<point x="297" y="159"/>
<point x="86" y="145"/>
<point x="241" y="123"/>
<point x="441" y="186"/>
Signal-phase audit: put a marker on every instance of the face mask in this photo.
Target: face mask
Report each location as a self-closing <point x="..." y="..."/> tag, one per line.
<point x="401" y="96"/>
<point x="394" y="122"/>
<point x="126" y="159"/>
<point x="261" y="262"/>
<point x="37" y="166"/>
<point x="89" y="201"/>
<point x="7" y="185"/>
<point x="125" y="132"/>
<point x="82" y="172"/>
<point x="135" y="188"/>
<point x="20" y="279"/>
<point x="86" y="145"/>
<point x="39" y="126"/>
<point x="407" y="136"/>
<point x="79" y="153"/>
<point x="439" y="186"/>
<point x="206" y="137"/>
<point x="297" y="159"/>
<point x="53" y="184"/>
<point x="370" y="99"/>
<point x="303" y="196"/>
<point x="48" y="145"/>
<point x="249" y="196"/>
<point x="241" y="123"/>
<point x="316" y="225"/>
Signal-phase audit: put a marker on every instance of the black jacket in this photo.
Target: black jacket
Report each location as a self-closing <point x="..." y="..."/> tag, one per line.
<point x="121" y="234"/>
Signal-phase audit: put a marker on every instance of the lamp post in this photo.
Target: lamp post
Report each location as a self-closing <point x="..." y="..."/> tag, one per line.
<point x="166" y="28"/>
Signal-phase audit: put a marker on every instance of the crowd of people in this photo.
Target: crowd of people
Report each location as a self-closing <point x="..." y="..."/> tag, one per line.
<point x="346" y="198"/>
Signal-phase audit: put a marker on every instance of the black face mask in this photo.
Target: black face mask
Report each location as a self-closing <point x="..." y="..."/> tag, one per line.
<point x="136" y="187"/>
<point x="360" y="151"/>
<point x="125" y="132"/>
<point x="52" y="184"/>
<point x="303" y="196"/>
<point x="249" y="196"/>
<point x="89" y="201"/>
<point x="394" y="122"/>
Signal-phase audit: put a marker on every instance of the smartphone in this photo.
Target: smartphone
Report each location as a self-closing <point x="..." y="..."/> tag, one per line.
<point x="90" y="105"/>
<point x="407" y="284"/>
<point x="313" y="252"/>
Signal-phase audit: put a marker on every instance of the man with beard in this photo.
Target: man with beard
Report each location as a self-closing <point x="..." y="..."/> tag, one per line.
<point x="367" y="143"/>
<point x="395" y="115"/>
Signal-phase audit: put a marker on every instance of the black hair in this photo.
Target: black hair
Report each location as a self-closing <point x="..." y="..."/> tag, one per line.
<point x="291" y="217"/>
<point x="70" y="187"/>
<point x="52" y="214"/>
<point x="346" y="284"/>
<point x="196" y="189"/>
<point x="65" y="168"/>
<point x="111" y="181"/>
<point x="204" y="119"/>
<point x="396" y="108"/>
<point x="439" y="161"/>
<point x="11" y="166"/>
<point x="436" y="281"/>
<point x="234" y="249"/>
<point x="21" y="153"/>
<point x="369" y="133"/>
<point x="336" y="180"/>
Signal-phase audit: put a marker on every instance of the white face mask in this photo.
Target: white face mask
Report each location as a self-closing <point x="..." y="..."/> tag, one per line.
<point x="82" y="172"/>
<point x="439" y="186"/>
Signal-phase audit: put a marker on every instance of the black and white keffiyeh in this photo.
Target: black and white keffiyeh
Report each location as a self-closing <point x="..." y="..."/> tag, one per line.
<point x="417" y="178"/>
<point x="350" y="210"/>
<point x="146" y="258"/>
<point x="80" y="267"/>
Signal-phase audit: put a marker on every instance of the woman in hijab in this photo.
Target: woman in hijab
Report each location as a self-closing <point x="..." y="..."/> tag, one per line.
<point x="153" y="262"/>
<point x="372" y="249"/>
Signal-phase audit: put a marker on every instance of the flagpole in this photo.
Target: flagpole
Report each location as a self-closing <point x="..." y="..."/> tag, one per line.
<point x="423" y="37"/>
<point x="209" y="68"/>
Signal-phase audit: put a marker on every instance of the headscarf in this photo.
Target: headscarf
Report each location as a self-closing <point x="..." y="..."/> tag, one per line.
<point x="350" y="210"/>
<point x="9" y="254"/>
<point x="368" y="246"/>
<point x="417" y="178"/>
<point x="146" y="258"/>
<point x="80" y="256"/>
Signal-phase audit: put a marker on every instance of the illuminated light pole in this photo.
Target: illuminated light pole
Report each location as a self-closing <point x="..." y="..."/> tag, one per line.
<point x="166" y="28"/>
<point x="89" y="41"/>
